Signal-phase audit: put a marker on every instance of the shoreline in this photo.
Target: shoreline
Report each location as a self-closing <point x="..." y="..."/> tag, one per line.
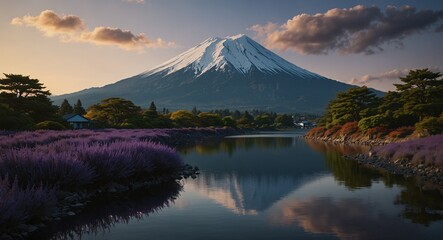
<point x="430" y="177"/>
<point x="427" y="175"/>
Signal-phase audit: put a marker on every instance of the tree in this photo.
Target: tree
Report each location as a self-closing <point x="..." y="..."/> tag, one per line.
<point x="22" y="86"/>
<point x="27" y="97"/>
<point x="151" y="113"/>
<point x="65" y="108"/>
<point x="246" y="120"/>
<point x="12" y="120"/>
<point x="284" y="120"/>
<point x="263" y="121"/>
<point x="184" y="118"/>
<point x="115" y="112"/>
<point x="421" y="94"/>
<point x="229" y="121"/>
<point x="78" y="108"/>
<point x="350" y="106"/>
<point x="210" y="120"/>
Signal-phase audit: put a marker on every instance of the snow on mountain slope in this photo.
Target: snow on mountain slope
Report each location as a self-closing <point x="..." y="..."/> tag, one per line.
<point x="240" y="52"/>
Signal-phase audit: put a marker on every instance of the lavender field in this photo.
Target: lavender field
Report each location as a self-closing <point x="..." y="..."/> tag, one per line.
<point x="37" y="168"/>
<point x="427" y="151"/>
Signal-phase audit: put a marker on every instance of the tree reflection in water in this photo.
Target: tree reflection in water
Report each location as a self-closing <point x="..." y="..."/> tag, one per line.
<point x="419" y="205"/>
<point x="105" y="212"/>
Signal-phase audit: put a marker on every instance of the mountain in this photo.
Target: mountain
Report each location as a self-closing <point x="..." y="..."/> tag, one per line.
<point x="234" y="72"/>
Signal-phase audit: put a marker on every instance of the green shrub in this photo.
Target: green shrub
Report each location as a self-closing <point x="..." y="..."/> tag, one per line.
<point x="429" y="126"/>
<point x="370" y="122"/>
<point x="49" y="125"/>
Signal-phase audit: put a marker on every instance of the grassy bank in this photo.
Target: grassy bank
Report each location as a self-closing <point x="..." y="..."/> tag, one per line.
<point x="47" y="175"/>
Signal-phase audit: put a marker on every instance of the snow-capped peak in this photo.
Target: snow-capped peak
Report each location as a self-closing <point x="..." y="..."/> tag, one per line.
<point x="239" y="52"/>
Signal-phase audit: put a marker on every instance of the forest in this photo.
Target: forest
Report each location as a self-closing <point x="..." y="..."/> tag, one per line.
<point x="414" y="109"/>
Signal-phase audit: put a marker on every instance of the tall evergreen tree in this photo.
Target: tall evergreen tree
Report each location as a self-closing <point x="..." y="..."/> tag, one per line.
<point x="151" y="113"/>
<point x="421" y="94"/>
<point x="349" y="106"/>
<point x="65" y="108"/>
<point x="78" y="108"/>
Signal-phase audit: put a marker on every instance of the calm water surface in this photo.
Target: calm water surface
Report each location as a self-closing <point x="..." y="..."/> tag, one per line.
<point x="273" y="185"/>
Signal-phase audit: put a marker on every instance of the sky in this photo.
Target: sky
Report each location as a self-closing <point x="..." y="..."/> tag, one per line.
<point x="70" y="45"/>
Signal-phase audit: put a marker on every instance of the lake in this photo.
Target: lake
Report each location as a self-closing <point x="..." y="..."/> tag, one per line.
<point x="271" y="185"/>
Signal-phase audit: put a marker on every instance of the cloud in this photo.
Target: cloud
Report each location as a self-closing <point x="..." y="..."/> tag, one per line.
<point x="121" y="38"/>
<point x="358" y="29"/>
<point x="392" y="76"/>
<point x="72" y="28"/>
<point x="50" y="23"/>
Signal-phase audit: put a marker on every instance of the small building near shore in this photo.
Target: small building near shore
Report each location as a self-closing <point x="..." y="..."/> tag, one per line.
<point x="77" y="121"/>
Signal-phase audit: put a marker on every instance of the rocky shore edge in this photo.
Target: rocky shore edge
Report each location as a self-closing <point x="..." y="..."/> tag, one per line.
<point x="72" y="203"/>
<point x="428" y="176"/>
<point x="350" y="140"/>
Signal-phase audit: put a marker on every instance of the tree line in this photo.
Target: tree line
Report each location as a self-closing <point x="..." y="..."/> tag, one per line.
<point x="415" y="105"/>
<point x="122" y="113"/>
<point x="25" y="105"/>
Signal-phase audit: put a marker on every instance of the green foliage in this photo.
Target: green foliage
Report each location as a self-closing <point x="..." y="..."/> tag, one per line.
<point x="49" y="125"/>
<point x="418" y="97"/>
<point x="22" y="86"/>
<point x="430" y="126"/>
<point x="263" y="121"/>
<point x="115" y="112"/>
<point x="350" y="106"/>
<point x="283" y="121"/>
<point x="78" y="108"/>
<point x="27" y="98"/>
<point x="229" y="121"/>
<point x="246" y="120"/>
<point x="12" y="120"/>
<point x="373" y="121"/>
<point x="65" y="108"/>
<point x="184" y="118"/>
<point x="210" y="120"/>
<point x="421" y="93"/>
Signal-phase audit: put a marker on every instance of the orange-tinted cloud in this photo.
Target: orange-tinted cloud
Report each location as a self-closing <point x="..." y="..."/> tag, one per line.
<point x="50" y="23"/>
<point x="358" y="29"/>
<point x="72" y="28"/>
<point x="122" y="38"/>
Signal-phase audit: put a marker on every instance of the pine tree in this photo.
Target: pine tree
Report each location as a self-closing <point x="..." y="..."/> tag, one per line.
<point x="349" y="106"/>
<point x="65" y="108"/>
<point x="151" y="113"/>
<point x="28" y="97"/>
<point x="421" y="94"/>
<point x="78" y="108"/>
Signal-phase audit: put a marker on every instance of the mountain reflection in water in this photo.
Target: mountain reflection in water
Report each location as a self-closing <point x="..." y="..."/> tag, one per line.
<point x="248" y="175"/>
